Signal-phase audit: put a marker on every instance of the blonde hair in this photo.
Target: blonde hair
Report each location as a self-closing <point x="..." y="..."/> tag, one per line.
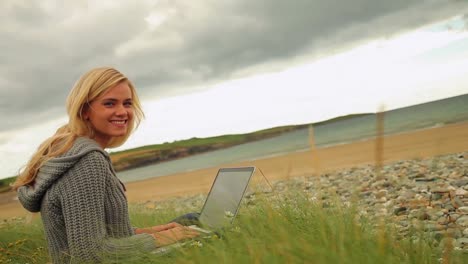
<point x="90" y="86"/>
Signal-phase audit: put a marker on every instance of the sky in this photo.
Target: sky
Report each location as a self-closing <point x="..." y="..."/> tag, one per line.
<point x="206" y="68"/>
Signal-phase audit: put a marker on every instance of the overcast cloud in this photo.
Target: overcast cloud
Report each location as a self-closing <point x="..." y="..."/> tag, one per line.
<point x="46" y="46"/>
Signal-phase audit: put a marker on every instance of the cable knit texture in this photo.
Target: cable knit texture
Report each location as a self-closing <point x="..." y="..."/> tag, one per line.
<point x="83" y="206"/>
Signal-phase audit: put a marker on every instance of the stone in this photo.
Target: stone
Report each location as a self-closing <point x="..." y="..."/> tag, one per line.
<point x="451" y="225"/>
<point x="388" y="203"/>
<point x="449" y="207"/>
<point x="428" y="179"/>
<point x="462" y="221"/>
<point x="407" y="194"/>
<point x="441" y="190"/>
<point x="443" y="220"/>
<point x="463" y="241"/>
<point x="423" y="216"/>
<point x="454" y="217"/>
<point x="378" y="184"/>
<point x="456" y="175"/>
<point x="382" y="200"/>
<point x="418" y="175"/>
<point x="381" y="193"/>
<point x="460" y="183"/>
<point x="436" y="196"/>
<point x="438" y="213"/>
<point x="404" y="223"/>
<point x="465" y="232"/>
<point x="400" y="210"/>
<point x="463" y="209"/>
<point x="461" y="192"/>
<point x="434" y="227"/>
<point x="457" y="202"/>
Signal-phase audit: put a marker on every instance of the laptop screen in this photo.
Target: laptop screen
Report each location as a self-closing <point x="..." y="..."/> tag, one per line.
<point x="225" y="196"/>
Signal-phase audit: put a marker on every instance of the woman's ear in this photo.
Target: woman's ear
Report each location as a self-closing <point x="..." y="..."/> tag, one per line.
<point x="85" y="112"/>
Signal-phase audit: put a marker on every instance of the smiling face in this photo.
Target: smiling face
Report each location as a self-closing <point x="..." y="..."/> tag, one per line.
<point x="110" y="113"/>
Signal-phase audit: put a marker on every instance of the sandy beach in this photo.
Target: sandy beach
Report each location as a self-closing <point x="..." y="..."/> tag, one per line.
<point x="416" y="144"/>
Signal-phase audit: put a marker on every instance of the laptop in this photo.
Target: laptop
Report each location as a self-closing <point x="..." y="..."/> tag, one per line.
<point x="224" y="199"/>
<point x="222" y="203"/>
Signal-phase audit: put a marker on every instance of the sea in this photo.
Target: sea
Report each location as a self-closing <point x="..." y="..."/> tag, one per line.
<point x="427" y="115"/>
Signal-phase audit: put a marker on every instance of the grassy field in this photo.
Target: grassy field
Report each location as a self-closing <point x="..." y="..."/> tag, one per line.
<point x="289" y="228"/>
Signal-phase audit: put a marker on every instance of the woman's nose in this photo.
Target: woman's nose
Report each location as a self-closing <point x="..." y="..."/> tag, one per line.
<point x="121" y="110"/>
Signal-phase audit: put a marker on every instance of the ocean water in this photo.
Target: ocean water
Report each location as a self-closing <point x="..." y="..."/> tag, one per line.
<point x="437" y="113"/>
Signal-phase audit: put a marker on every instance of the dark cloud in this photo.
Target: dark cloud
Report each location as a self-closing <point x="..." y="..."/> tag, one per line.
<point x="232" y="36"/>
<point x="44" y="51"/>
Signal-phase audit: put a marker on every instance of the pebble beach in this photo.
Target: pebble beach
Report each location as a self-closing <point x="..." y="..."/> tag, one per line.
<point x="418" y="194"/>
<point x="431" y="194"/>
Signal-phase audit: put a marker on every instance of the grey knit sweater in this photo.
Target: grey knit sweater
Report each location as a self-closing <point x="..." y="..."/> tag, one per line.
<point x="83" y="206"/>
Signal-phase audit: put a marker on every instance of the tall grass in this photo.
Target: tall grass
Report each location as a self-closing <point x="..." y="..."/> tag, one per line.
<point x="379" y="141"/>
<point x="290" y="227"/>
<point x="22" y="243"/>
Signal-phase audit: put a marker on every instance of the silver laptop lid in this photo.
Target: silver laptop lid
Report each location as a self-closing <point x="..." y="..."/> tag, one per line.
<point x="225" y="196"/>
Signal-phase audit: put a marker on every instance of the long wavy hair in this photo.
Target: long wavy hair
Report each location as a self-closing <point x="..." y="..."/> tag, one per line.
<point x="90" y="86"/>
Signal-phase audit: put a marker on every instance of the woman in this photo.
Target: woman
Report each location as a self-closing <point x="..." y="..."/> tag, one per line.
<point x="71" y="181"/>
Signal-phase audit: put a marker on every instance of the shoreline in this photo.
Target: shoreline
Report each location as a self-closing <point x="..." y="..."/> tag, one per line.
<point x="304" y="149"/>
<point x="421" y="143"/>
<point x="418" y="144"/>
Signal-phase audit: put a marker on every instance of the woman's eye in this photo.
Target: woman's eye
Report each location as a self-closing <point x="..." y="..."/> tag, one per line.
<point x="128" y="104"/>
<point x="108" y="103"/>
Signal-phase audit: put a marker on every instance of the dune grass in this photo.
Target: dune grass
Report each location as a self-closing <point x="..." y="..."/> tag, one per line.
<point x="285" y="228"/>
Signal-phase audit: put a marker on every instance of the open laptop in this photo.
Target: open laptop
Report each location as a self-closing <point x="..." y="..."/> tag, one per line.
<point x="223" y="201"/>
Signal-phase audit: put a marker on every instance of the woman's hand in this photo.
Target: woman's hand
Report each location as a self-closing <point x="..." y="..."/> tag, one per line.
<point x="160" y="228"/>
<point x="155" y="229"/>
<point x="174" y="234"/>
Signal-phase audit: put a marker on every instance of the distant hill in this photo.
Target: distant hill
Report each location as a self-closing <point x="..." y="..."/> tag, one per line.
<point x="153" y="154"/>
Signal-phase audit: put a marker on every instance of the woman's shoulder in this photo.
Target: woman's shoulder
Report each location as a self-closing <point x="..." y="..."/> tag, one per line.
<point x="81" y="146"/>
<point x="84" y="145"/>
<point x="85" y="152"/>
<point x="93" y="165"/>
<point x="90" y="155"/>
